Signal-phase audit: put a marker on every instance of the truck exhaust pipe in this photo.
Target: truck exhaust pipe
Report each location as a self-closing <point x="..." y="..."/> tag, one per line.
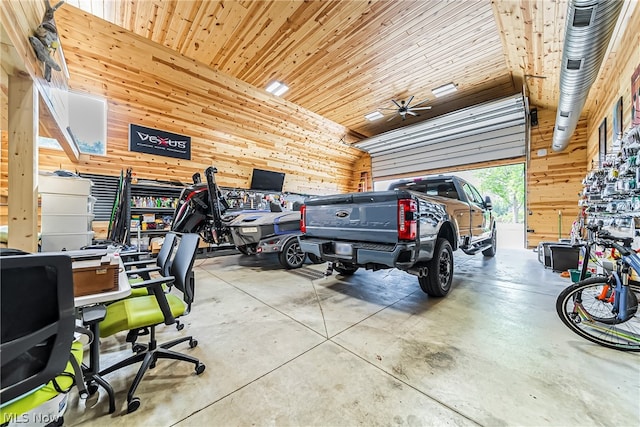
<point x="418" y="271"/>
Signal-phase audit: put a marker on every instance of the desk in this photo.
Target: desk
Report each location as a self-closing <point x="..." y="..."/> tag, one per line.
<point x="92" y="313"/>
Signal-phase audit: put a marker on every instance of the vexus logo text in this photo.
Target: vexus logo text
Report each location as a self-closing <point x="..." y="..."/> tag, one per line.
<point x="166" y="142"/>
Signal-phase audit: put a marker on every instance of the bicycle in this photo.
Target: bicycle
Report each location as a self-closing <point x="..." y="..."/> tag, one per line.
<point x="603" y="309"/>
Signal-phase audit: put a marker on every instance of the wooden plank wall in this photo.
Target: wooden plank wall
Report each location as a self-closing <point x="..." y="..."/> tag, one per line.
<point x="233" y="125"/>
<point x="614" y="81"/>
<point x="150" y="85"/>
<point x="554" y="181"/>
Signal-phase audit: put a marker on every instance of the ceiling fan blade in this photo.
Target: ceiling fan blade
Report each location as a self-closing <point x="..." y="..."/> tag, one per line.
<point x="391" y="118"/>
<point x="409" y="101"/>
<point x="412" y="113"/>
<point x="420" y="108"/>
<point x="422" y="102"/>
<point x="397" y="105"/>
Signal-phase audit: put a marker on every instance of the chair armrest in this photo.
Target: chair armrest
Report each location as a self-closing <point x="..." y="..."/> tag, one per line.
<point x="155" y="288"/>
<point x="140" y="262"/>
<point x="93" y="314"/>
<point x="132" y="254"/>
<point x="154" y="283"/>
<point x="142" y="270"/>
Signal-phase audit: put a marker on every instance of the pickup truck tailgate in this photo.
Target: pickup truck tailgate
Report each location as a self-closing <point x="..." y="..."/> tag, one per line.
<point x="365" y="217"/>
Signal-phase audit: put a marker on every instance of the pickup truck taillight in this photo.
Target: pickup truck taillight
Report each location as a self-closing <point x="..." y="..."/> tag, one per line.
<point x="407" y="227"/>
<point x="303" y="226"/>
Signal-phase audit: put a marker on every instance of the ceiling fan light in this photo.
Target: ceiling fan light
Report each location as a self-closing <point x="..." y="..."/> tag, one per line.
<point x="373" y="116"/>
<point x="444" y="90"/>
<point x="277" y="88"/>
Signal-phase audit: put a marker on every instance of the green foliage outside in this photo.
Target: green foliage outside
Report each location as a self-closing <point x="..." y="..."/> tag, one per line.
<point x="505" y="186"/>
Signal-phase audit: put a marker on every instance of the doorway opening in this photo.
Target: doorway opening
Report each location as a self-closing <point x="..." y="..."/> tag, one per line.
<point x="506" y="187"/>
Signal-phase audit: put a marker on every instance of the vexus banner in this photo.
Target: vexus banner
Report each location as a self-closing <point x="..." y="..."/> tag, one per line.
<point x="158" y="142"/>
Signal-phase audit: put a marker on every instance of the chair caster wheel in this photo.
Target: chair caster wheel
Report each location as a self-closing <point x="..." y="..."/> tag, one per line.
<point x="200" y="368"/>
<point x="193" y="343"/>
<point x="180" y="326"/>
<point x="137" y="348"/>
<point x="133" y="405"/>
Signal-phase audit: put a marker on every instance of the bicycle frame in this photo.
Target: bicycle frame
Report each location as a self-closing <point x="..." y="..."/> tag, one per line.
<point x="604" y="308"/>
<point x="620" y="275"/>
<point x="619" y="294"/>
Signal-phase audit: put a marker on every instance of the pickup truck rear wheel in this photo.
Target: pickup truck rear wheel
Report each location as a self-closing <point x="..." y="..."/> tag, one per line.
<point x="437" y="282"/>
<point x="291" y="255"/>
<point x="345" y="269"/>
<point x="491" y="252"/>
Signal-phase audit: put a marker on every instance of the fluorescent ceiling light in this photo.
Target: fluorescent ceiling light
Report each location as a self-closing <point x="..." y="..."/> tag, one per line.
<point x="373" y="116"/>
<point x="444" y="90"/>
<point x="277" y="88"/>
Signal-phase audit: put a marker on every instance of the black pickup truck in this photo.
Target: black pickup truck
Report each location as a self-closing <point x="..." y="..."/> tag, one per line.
<point x="414" y="226"/>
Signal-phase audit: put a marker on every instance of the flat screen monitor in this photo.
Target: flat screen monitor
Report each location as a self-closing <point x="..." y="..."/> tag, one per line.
<point x="267" y="180"/>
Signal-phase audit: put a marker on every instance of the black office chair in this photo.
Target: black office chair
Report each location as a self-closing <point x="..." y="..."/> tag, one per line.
<point x="152" y="310"/>
<point x="161" y="264"/>
<point x="37" y="323"/>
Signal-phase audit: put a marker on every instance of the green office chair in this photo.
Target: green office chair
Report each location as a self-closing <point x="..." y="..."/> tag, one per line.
<point x="38" y="323"/>
<point x="143" y="269"/>
<point x="152" y="310"/>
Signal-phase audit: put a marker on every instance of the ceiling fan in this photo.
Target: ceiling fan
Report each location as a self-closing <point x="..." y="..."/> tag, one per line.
<point x="403" y="108"/>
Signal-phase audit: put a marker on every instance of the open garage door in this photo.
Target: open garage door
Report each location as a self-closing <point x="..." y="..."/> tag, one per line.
<point x="494" y="130"/>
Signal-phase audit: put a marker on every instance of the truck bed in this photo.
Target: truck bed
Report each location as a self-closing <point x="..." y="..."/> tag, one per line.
<point x="362" y="217"/>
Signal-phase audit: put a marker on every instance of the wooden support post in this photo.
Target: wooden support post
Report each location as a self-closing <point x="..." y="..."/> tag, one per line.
<point x="23" y="164"/>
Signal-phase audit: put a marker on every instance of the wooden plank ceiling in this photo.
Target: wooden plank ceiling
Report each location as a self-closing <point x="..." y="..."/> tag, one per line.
<point x="344" y="59"/>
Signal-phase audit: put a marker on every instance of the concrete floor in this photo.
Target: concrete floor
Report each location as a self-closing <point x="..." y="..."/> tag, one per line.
<point x="294" y="348"/>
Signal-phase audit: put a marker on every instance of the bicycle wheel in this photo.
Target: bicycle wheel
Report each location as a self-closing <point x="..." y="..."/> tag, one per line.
<point x="586" y="309"/>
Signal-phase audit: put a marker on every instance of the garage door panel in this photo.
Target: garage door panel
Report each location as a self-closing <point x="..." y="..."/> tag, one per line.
<point x="486" y="132"/>
<point x="442" y="155"/>
<point x="437" y="162"/>
<point x="454" y="143"/>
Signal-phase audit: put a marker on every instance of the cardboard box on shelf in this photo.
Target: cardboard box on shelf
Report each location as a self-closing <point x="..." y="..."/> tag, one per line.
<point x="156" y="244"/>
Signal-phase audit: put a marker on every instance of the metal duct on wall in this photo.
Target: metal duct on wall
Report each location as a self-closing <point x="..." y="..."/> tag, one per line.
<point x="590" y="24"/>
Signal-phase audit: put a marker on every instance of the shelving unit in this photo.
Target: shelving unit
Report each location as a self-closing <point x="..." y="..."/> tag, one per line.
<point x="150" y="211"/>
